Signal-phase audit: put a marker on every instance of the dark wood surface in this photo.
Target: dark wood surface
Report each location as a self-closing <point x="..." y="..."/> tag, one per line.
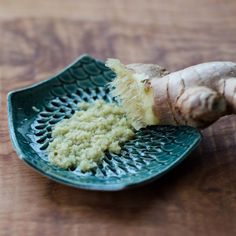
<point x="37" y="38"/>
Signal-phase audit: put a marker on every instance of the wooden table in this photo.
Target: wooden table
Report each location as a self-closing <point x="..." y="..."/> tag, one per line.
<point x="37" y="38"/>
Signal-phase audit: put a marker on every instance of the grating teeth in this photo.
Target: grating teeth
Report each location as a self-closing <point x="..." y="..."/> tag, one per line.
<point x="136" y="154"/>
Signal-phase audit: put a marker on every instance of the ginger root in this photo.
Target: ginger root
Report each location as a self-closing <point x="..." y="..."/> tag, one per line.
<point x="196" y="96"/>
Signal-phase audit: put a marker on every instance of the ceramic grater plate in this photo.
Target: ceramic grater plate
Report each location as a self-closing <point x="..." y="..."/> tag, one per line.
<point x="34" y="111"/>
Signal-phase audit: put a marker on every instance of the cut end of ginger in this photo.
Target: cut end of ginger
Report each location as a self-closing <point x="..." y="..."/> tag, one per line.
<point x="82" y="140"/>
<point x="131" y="90"/>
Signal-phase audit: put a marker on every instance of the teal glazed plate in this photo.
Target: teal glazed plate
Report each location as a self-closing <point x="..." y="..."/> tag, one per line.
<point x="33" y="112"/>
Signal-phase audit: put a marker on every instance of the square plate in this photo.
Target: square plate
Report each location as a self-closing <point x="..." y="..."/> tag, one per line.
<point x="33" y="111"/>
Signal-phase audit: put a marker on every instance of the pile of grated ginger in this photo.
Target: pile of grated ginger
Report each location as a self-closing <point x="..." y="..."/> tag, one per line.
<point x="82" y="140"/>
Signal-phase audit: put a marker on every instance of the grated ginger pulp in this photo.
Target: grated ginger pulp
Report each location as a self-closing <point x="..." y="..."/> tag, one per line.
<point x="82" y="140"/>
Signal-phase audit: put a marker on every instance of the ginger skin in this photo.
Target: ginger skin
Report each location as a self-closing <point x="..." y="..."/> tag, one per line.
<point x="197" y="96"/>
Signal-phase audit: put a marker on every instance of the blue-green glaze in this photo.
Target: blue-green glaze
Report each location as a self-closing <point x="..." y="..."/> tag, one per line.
<point x="33" y="111"/>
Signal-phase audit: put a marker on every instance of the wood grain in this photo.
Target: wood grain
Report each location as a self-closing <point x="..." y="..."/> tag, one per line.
<point x="40" y="37"/>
